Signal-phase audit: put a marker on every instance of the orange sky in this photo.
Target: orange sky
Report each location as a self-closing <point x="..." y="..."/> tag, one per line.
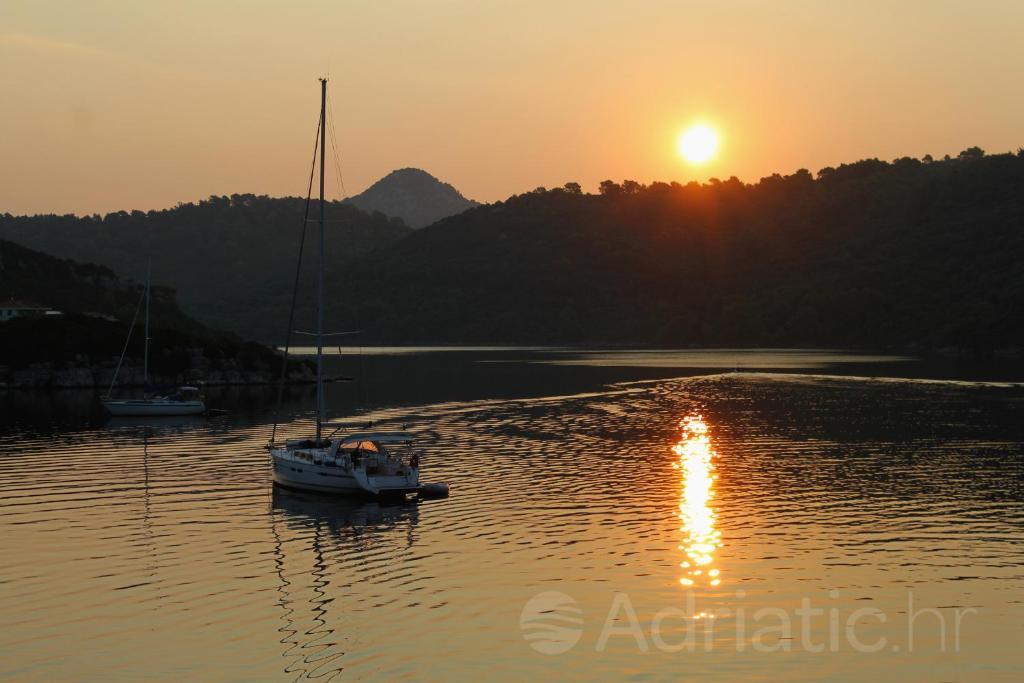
<point x="124" y="104"/>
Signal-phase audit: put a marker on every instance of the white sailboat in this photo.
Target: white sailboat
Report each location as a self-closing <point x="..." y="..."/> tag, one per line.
<point x="184" y="401"/>
<point x="373" y="463"/>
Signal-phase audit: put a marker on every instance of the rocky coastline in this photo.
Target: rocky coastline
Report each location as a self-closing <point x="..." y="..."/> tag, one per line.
<point x="82" y="375"/>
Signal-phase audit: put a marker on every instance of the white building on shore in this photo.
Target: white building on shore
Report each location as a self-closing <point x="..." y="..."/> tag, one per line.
<point x="23" y="309"/>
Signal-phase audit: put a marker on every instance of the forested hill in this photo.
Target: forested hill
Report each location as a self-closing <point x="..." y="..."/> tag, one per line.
<point x="231" y="259"/>
<point x="914" y="253"/>
<point x="413" y="195"/>
<point x="79" y="348"/>
<point x="83" y="288"/>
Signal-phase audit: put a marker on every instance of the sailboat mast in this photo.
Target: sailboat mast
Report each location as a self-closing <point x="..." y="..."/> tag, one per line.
<point x="320" y="283"/>
<point x="145" y="352"/>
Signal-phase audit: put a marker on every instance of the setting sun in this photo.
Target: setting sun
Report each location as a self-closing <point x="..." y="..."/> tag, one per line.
<point x="698" y="143"/>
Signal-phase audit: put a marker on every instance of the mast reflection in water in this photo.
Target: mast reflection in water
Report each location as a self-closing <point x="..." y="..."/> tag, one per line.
<point x="697" y="480"/>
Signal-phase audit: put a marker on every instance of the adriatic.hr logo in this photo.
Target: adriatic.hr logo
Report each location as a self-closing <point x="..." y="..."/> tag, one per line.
<point x="552" y="622"/>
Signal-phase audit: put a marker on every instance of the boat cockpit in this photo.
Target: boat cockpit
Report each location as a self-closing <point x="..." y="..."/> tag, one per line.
<point x="384" y="453"/>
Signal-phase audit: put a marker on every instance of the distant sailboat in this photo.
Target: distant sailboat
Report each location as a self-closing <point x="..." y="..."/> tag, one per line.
<point x="185" y="401"/>
<point x="375" y="463"/>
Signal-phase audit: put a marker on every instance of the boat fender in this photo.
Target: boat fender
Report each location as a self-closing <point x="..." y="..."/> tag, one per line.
<point x="439" y="490"/>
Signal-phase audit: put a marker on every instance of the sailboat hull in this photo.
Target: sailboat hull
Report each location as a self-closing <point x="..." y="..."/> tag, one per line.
<point x="146" y="408"/>
<point x="308" y="476"/>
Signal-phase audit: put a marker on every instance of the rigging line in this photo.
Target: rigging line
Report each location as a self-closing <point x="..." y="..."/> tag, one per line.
<point x="295" y="287"/>
<point x="334" y="147"/>
<point x="336" y="158"/>
<point x="125" y="349"/>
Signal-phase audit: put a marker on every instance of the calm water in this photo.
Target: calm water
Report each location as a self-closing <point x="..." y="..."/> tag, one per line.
<point x="589" y="535"/>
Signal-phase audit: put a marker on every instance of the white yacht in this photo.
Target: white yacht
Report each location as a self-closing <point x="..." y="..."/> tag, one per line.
<point x="373" y="463"/>
<point x="361" y="463"/>
<point x="184" y="401"/>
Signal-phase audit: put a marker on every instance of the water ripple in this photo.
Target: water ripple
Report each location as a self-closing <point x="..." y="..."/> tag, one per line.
<point x="167" y="553"/>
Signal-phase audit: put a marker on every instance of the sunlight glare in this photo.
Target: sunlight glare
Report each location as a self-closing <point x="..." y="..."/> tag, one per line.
<point x="698" y="143"/>
<point x="701" y="539"/>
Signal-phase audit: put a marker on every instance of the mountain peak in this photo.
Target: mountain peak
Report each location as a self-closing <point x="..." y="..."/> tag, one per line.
<point x="413" y="195"/>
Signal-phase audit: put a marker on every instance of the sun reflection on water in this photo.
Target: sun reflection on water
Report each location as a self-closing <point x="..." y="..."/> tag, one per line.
<point x="697" y="470"/>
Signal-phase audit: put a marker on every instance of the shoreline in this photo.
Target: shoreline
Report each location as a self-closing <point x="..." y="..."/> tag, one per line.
<point x="44" y="376"/>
